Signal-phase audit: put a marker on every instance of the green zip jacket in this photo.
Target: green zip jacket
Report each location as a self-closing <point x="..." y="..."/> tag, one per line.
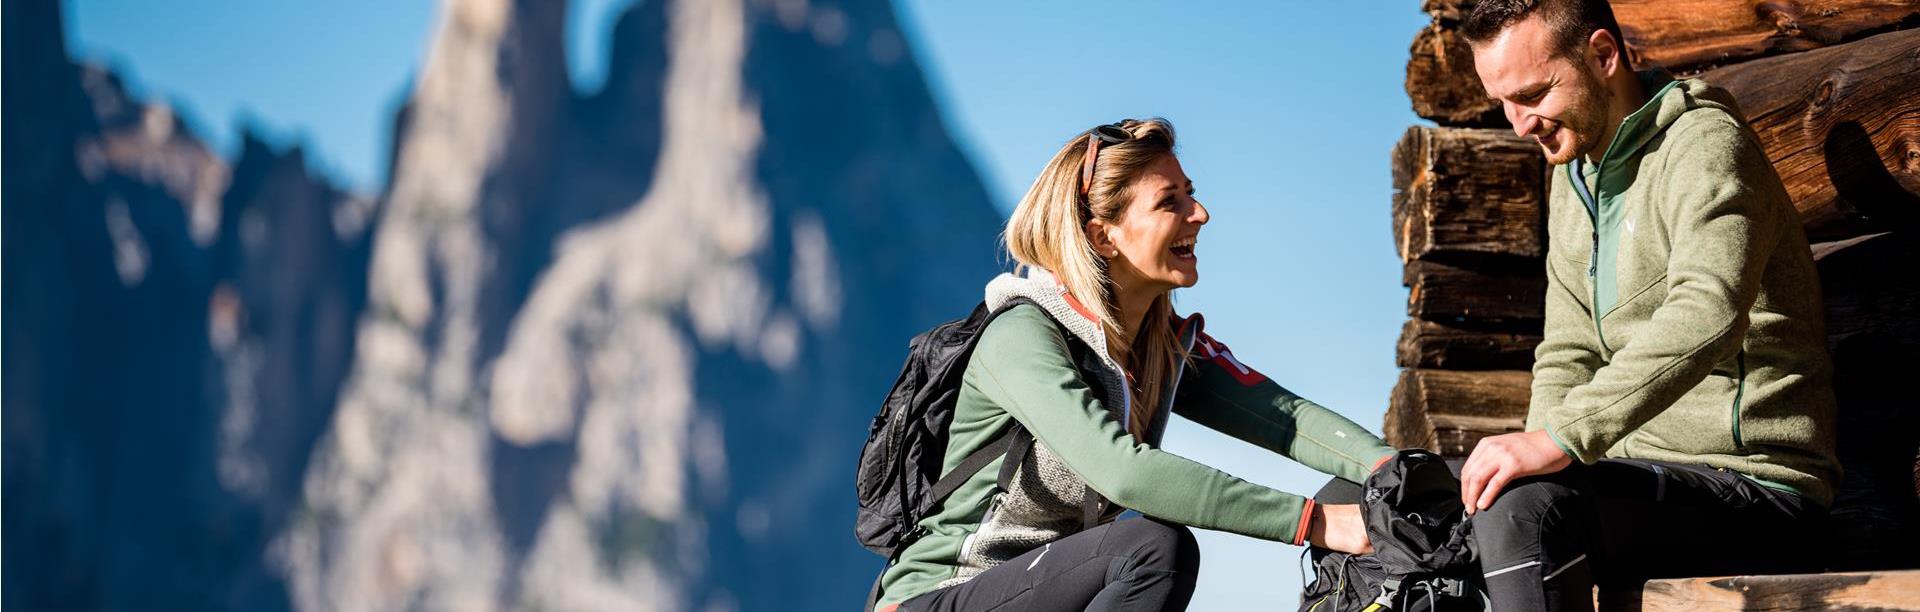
<point x="1683" y="315"/>
<point x="1022" y="370"/>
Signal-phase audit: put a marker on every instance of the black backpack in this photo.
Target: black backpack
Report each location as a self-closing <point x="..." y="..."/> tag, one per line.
<point x="1423" y="558"/>
<point x="899" y="480"/>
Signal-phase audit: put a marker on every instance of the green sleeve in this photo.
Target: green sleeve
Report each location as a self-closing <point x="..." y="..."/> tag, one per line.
<point x="1022" y="364"/>
<point x="1223" y="394"/>
<point x="1717" y="202"/>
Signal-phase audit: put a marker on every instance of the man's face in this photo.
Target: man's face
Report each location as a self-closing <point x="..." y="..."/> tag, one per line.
<point x="1555" y="99"/>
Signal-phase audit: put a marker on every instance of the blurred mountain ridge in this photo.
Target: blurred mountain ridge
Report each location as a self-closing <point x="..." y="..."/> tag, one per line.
<point x="612" y="350"/>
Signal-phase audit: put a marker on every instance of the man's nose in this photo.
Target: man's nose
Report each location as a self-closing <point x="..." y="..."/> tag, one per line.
<point x="1522" y="124"/>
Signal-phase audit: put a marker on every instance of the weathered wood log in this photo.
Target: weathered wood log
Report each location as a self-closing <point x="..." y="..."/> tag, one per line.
<point x="1872" y="294"/>
<point x="1480" y="294"/>
<point x="1842" y="126"/>
<point x="1441" y="82"/>
<point x="1427" y="344"/>
<point x="1447" y="10"/>
<point x="1889" y="590"/>
<point x="1462" y="194"/>
<point x="1689" y="35"/>
<point x="1685" y="36"/>
<point x="1449" y="412"/>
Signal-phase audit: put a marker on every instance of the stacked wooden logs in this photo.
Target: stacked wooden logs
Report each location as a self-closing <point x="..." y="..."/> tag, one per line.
<point x="1832" y="88"/>
<point x="1469" y="221"/>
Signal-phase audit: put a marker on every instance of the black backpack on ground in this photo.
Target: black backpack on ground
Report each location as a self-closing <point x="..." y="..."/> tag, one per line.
<point x="1423" y="557"/>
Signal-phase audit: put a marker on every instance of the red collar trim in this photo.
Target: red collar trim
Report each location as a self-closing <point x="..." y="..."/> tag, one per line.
<point x="1180" y="324"/>
<point x="1077" y="306"/>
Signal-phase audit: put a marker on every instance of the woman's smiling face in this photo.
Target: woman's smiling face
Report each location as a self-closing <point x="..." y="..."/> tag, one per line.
<point x="1151" y="246"/>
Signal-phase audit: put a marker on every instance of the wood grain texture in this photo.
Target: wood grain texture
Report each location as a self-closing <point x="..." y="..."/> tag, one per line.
<point x="1448" y="412"/>
<point x="1842" y="127"/>
<point x="1427" y="344"/>
<point x="1689" y="35"/>
<point x="1441" y="82"/>
<point x="1462" y="194"/>
<point x="1888" y="590"/>
<point x="1476" y="294"/>
<point x="1447" y="10"/>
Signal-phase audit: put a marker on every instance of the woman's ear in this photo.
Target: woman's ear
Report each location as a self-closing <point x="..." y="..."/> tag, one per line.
<point x="1099" y="235"/>
<point x="1102" y="242"/>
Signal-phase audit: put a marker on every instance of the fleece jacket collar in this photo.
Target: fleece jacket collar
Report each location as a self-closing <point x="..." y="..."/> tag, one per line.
<point x="1599" y="185"/>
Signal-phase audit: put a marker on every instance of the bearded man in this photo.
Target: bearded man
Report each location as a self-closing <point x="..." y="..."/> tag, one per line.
<point x="1682" y="417"/>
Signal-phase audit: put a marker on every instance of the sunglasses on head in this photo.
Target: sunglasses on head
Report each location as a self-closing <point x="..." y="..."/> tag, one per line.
<point x="1110" y="133"/>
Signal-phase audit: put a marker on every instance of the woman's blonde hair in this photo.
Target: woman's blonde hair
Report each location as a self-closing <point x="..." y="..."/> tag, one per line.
<point x="1048" y="231"/>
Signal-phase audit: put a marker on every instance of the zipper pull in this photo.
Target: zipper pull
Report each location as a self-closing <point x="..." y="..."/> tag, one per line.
<point x="1593" y="259"/>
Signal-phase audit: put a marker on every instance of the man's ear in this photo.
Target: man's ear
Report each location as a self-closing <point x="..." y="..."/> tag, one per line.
<point x="1606" y="52"/>
<point x="1097" y="235"/>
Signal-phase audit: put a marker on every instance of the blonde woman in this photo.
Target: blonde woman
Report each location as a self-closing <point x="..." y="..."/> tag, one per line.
<point x="1089" y="372"/>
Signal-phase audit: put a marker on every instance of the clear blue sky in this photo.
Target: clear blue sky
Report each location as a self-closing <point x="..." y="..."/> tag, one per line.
<point x="1286" y="112"/>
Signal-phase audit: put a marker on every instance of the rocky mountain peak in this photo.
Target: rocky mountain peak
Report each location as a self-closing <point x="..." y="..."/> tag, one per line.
<point x="613" y="349"/>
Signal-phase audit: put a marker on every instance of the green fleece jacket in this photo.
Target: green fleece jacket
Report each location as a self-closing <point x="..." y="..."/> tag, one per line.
<point x="1022" y="370"/>
<point x="1683" y="314"/>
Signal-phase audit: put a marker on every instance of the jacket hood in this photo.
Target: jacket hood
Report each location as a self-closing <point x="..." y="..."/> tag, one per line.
<point x="1667" y="100"/>
<point x="1041" y="287"/>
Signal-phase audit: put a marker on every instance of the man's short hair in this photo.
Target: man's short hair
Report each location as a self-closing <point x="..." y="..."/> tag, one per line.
<point x="1571" y="21"/>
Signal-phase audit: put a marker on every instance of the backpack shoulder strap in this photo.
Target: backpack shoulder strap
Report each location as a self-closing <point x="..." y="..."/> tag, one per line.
<point x="1093" y="506"/>
<point x="978" y="459"/>
<point x="1013" y="443"/>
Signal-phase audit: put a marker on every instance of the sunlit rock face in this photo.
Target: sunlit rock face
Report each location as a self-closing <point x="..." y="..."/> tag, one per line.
<point x="621" y="347"/>
<point x="586" y="350"/>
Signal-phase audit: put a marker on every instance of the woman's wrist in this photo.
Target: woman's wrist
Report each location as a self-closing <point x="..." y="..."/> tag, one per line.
<point x="1338" y="527"/>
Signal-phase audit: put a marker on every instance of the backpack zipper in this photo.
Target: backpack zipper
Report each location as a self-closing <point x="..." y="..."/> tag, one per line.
<point x="1337" y="589"/>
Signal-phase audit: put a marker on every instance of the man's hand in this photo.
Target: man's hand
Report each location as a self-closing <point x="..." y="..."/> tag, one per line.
<point x="1500" y="459"/>
<point x="1339" y="527"/>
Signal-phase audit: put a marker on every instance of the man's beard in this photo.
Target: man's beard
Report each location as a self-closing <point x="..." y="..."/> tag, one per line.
<point x="1583" y="121"/>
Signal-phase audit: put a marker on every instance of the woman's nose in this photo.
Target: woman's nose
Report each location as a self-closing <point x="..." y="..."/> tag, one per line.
<point x="1200" y="215"/>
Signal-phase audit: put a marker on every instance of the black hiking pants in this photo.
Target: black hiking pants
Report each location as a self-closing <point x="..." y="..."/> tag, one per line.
<point x="1547" y="540"/>
<point x="1133" y="564"/>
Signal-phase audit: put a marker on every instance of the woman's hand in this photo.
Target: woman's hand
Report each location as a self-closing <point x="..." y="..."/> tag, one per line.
<point x="1339" y="527"/>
